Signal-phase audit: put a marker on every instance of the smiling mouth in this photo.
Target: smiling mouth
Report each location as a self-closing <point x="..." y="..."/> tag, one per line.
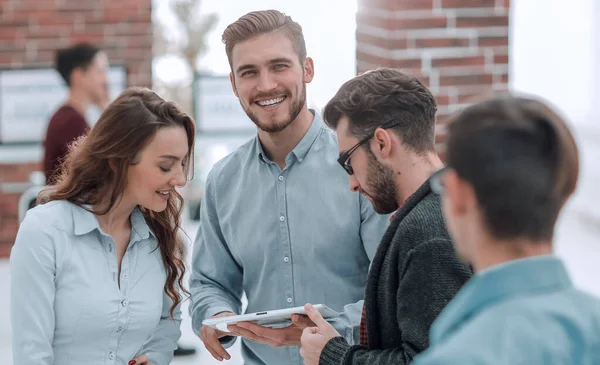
<point x="163" y="192"/>
<point x="271" y="102"/>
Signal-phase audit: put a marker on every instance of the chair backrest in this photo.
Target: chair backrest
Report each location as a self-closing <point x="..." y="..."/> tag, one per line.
<point x="29" y="196"/>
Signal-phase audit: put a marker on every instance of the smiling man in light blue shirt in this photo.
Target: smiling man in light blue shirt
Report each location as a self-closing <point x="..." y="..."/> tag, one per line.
<point x="278" y="221"/>
<point x="511" y="165"/>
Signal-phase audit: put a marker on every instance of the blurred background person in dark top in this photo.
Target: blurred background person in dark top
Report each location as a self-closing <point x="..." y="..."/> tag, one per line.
<point x="84" y="67"/>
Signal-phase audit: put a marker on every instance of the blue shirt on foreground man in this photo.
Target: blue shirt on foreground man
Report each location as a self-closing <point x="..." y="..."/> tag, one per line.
<point x="511" y="165"/>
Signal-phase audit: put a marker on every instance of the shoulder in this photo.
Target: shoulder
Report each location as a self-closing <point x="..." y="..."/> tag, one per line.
<point x="423" y="224"/>
<point x="55" y="215"/>
<point x="485" y="338"/>
<point x="231" y="163"/>
<point x="44" y="232"/>
<point x="326" y="138"/>
<point x="66" y="114"/>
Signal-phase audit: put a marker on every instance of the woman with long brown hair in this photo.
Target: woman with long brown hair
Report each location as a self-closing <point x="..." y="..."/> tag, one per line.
<point x="97" y="266"/>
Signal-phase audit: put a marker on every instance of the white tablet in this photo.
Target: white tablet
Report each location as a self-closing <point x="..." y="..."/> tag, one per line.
<point x="274" y="318"/>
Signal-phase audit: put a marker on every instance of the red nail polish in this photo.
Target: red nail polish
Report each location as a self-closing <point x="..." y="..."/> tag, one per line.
<point x="132" y="362"/>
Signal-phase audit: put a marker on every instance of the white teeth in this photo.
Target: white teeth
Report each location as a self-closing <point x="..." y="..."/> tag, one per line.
<point x="270" y="102"/>
<point x="163" y="192"/>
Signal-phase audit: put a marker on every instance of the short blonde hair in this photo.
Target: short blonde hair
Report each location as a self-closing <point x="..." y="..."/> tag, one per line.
<point x="262" y="22"/>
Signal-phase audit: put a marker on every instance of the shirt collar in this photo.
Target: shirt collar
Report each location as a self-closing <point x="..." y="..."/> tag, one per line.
<point x="84" y="221"/>
<point x="544" y="273"/>
<point x="302" y="148"/>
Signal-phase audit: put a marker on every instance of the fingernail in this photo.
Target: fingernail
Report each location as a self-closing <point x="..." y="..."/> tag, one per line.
<point x="227" y="357"/>
<point x="132" y="362"/>
<point x="219" y="358"/>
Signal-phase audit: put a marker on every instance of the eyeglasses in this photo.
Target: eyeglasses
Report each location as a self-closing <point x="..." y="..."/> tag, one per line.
<point x="436" y="182"/>
<point x="343" y="159"/>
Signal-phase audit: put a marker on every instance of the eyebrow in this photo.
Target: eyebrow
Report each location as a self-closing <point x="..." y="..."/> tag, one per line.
<point x="280" y="60"/>
<point x="273" y="61"/>
<point x="244" y="68"/>
<point x="170" y="157"/>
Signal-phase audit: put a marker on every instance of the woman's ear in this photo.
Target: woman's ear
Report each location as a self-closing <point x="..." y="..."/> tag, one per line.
<point x="113" y="165"/>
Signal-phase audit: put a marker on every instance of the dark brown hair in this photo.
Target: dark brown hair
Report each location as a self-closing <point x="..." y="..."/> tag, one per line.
<point x="380" y="96"/>
<point x="68" y="59"/>
<point x="95" y="170"/>
<point x="520" y="158"/>
<point x="261" y="22"/>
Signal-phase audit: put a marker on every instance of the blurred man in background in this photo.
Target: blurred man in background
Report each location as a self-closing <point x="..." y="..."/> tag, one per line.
<point x="84" y="67"/>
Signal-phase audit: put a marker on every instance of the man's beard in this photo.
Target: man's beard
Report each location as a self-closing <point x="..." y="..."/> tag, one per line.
<point x="382" y="187"/>
<point x="294" y="110"/>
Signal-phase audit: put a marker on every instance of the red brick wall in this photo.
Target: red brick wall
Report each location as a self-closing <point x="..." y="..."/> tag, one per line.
<point x="31" y="31"/>
<point x="458" y="48"/>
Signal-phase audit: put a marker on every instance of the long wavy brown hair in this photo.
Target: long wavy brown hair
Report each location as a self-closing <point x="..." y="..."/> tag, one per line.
<point x="95" y="171"/>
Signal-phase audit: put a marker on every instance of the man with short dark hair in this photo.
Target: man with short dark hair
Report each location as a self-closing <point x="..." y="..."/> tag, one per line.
<point x="83" y="67"/>
<point x="385" y="124"/>
<point x="511" y="166"/>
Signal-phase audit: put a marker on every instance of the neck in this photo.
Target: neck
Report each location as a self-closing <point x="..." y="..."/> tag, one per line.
<point x="116" y="219"/>
<point x="279" y="144"/>
<point x="412" y="172"/>
<point x="492" y="251"/>
<point x="78" y="101"/>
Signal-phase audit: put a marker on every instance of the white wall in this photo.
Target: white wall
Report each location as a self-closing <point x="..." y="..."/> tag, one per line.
<point x="555" y="54"/>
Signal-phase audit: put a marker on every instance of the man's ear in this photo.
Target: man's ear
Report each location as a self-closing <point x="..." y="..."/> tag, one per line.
<point x="76" y="75"/>
<point x="232" y="80"/>
<point x="309" y="70"/>
<point x="460" y="193"/>
<point x="381" y="143"/>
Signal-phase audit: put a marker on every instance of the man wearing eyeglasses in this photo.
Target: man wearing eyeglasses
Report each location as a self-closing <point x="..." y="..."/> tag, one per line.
<point x="385" y="124"/>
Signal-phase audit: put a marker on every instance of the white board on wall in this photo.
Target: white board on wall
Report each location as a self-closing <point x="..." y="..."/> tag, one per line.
<point x="29" y="97"/>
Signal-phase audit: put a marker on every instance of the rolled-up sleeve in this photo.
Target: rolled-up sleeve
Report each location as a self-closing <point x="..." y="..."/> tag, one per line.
<point x="33" y="266"/>
<point x="163" y="341"/>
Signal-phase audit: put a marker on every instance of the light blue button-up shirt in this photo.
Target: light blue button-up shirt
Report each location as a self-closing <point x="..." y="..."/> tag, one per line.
<point x="523" y="312"/>
<point x="284" y="237"/>
<point x="66" y="303"/>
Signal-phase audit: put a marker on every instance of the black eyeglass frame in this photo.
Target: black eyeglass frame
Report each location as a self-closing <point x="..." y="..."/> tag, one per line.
<point x="343" y="159"/>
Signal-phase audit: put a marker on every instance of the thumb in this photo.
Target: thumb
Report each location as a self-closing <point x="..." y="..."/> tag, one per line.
<point x="315" y="316"/>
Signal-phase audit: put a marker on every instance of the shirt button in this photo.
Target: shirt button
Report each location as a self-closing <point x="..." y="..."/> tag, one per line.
<point x="289" y="300"/>
<point x="119" y="329"/>
<point x="280" y="178"/>
<point x="125" y="276"/>
<point x="286" y="259"/>
<point x="111" y="355"/>
<point x="125" y="303"/>
<point x="282" y="218"/>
